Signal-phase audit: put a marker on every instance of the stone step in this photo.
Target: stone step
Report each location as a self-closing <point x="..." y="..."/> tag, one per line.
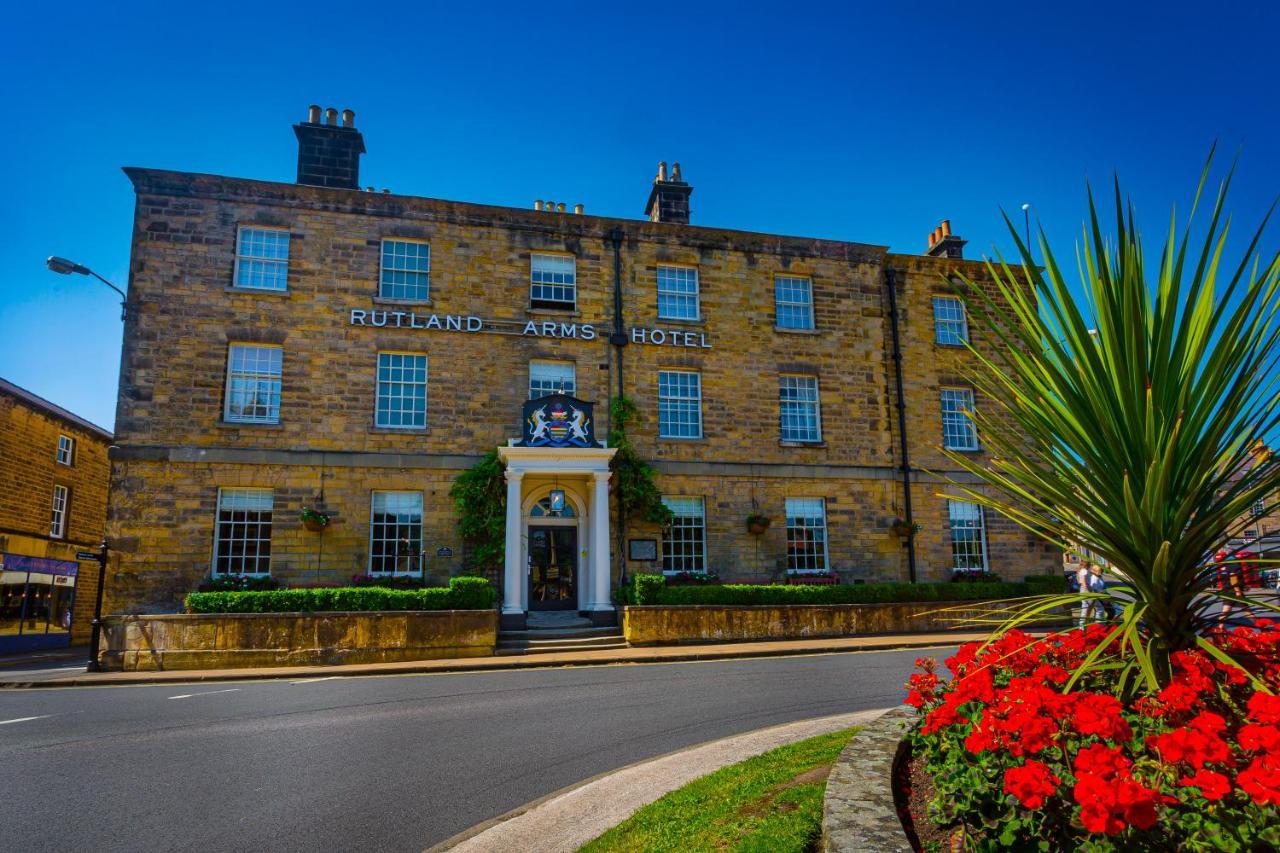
<point x="560" y="633"/>
<point x="577" y="646"/>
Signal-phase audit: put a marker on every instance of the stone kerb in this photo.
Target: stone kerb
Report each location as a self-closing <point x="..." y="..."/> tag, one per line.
<point x="858" y="810"/>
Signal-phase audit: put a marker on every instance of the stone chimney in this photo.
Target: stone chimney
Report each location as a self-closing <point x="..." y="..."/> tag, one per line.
<point x="328" y="152"/>
<point x="669" y="198"/>
<point x="944" y="244"/>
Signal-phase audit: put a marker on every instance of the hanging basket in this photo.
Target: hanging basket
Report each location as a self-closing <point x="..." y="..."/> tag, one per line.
<point x="313" y="520"/>
<point x="757" y="524"/>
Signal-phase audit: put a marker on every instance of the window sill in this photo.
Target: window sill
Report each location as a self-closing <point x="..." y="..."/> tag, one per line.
<point x="224" y="424"/>
<point x="786" y="443"/>
<point x="952" y="347"/>
<point x="377" y="430"/>
<point x="567" y="311"/>
<point x="963" y="449"/>
<point x="387" y="300"/>
<point x="258" y="291"/>
<point x="683" y="440"/>
<point x="701" y="321"/>
<point x="785" y="331"/>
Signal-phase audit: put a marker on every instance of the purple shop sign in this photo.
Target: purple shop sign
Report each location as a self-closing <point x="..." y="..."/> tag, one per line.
<point x="19" y="563"/>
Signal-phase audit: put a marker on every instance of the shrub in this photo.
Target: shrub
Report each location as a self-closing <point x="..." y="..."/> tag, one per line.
<point x="653" y="590"/>
<point x="463" y="593"/>
<point x="389" y="581"/>
<point x="1021" y="763"/>
<point x="978" y="576"/>
<point x="1046" y="584"/>
<point x="691" y="578"/>
<point x="238" y="583"/>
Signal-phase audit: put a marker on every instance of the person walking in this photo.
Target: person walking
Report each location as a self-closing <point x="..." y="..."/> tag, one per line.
<point x="1082" y="585"/>
<point x="1101" y="608"/>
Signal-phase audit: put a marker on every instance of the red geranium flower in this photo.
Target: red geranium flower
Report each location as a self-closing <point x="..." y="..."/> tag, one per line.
<point x="1096" y="714"/>
<point x="1256" y="738"/>
<point x="1261" y="781"/>
<point x="1031" y="783"/>
<point x="1213" y="786"/>
<point x="1102" y="761"/>
<point x="1264" y="708"/>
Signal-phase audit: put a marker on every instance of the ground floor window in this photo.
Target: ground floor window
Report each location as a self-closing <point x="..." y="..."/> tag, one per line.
<point x="806" y="535"/>
<point x="684" y="542"/>
<point x="395" y="533"/>
<point x="968" y="539"/>
<point x="242" y="540"/>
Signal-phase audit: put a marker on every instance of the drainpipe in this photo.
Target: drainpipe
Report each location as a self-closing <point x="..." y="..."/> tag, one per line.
<point x="618" y="339"/>
<point x="902" y="422"/>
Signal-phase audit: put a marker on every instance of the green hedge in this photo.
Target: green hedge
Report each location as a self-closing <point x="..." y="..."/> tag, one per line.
<point x="464" y="593"/>
<point x="1047" y="584"/>
<point x="652" y="589"/>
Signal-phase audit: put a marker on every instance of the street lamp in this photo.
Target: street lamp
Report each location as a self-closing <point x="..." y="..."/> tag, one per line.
<point x="1026" y="224"/>
<point x="62" y="266"/>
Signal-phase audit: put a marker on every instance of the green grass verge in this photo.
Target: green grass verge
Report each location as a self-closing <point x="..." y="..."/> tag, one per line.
<point x="768" y="804"/>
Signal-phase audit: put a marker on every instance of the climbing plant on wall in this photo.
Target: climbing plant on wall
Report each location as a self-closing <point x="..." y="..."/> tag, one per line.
<point x="480" y="494"/>
<point x="638" y="494"/>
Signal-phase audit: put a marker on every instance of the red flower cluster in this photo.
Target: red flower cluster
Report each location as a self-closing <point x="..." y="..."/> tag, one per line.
<point x="1212" y="735"/>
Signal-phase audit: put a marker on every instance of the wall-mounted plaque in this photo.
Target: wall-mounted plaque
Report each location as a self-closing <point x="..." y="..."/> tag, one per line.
<point x="642" y="550"/>
<point x="446" y="551"/>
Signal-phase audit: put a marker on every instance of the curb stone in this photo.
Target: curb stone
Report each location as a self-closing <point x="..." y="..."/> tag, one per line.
<point x="858" y="811"/>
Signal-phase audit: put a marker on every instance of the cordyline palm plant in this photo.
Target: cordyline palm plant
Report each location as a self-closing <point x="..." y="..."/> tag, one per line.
<point x="1130" y="424"/>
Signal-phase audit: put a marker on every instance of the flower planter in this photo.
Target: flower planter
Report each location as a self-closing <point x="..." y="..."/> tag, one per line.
<point x="315" y="525"/>
<point x="757" y="529"/>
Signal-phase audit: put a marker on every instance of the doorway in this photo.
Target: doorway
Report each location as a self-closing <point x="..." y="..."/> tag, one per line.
<point x="553" y="567"/>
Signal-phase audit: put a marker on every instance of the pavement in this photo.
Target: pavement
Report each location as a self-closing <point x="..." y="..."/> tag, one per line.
<point x="381" y="763"/>
<point x="66" y="674"/>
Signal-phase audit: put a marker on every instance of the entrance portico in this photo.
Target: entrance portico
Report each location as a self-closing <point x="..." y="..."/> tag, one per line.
<point x="557" y="524"/>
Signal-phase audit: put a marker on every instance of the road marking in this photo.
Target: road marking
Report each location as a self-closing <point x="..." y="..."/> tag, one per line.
<point x="23" y="719"/>
<point x="206" y="693"/>
<point x="314" y="680"/>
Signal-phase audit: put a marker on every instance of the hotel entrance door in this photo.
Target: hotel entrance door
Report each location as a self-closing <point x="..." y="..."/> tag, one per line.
<point x="553" y="568"/>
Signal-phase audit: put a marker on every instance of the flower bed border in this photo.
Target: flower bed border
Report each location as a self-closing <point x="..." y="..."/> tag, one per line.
<point x="858" y="809"/>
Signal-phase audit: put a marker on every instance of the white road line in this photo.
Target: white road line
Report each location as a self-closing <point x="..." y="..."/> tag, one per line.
<point x="314" y="680"/>
<point x="23" y="719"/>
<point x="206" y="693"/>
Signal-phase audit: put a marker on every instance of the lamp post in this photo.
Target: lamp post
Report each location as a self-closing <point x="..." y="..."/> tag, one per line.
<point x="1026" y="224"/>
<point x="62" y="266"/>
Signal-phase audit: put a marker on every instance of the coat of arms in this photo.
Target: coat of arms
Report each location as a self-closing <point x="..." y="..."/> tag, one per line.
<point x="558" y="423"/>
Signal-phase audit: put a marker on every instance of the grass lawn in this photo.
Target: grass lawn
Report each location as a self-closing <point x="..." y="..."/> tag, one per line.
<point x="771" y="804"/>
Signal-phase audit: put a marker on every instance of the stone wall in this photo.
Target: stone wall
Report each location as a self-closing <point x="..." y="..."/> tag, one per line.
<point x="230" y="640"/>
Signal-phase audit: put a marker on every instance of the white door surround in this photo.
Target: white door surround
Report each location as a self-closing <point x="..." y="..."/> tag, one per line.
<point x="583" y="474"/>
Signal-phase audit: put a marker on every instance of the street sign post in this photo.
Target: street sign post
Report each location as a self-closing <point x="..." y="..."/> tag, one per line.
<point x="95" y="635"/>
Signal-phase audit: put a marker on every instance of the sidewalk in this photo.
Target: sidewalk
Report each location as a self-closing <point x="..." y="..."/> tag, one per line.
<point x="635" y="655"/>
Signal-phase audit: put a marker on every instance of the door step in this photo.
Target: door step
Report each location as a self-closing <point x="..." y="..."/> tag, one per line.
<point x="559" y="640"/>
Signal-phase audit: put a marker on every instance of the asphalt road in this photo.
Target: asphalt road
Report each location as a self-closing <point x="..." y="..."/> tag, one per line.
<point x="391" y="763"/>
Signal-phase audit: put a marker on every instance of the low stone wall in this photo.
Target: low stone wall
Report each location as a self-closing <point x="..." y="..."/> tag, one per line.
<point x="228" y="640"/>
<point x="858" y="809"/>
<point x="703" y="623"/>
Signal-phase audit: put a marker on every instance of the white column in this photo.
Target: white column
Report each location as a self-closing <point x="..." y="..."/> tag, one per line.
<point x="586" y="537"/>
<point x="513" y="570"/>
<point x="600" y="580"/>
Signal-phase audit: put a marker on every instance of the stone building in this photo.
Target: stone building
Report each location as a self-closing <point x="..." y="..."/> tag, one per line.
<point x="53" y="503"/>
<point x="315" y="344"/>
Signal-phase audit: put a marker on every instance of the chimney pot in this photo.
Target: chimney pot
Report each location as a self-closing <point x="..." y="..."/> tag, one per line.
<point x="387" y="191"/>
<point x="946" y="228"/>
<point x="329" y="155"/>
<point x="662" y="170"/>
<point x="675" y="172"/>
<point x="560" y="207"/>
<point x="537" y="204"/>
<point x="369" y="189"/>
<point x="348" y="118"/>
<point x="313" y="113"/>
<point x="577" y="208"/>
<point x="330" y="115"/>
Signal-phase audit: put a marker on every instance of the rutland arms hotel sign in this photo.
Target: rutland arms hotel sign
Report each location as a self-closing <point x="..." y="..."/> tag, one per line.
<point x="532" y="328"/>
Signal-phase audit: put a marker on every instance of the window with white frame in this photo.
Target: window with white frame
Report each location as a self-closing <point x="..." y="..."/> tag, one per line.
<point x="242" y="533"/>
<point x="950" y="326"/>
<point x="406" y="270"/>
<point x="684" y="541"/>
<point x="798" y="408"/>
<point x="262" y="259"/>
<point x="677" y="293"/>
<point x="968" y="536"/>
<point x="806" y="534"/>
<point x="679" y="404"/>
<point x="958" y="430"/>
<point x="395" y="533"/>
<point x="551" y="377"/>
<point x="553" y="281"/>
<point x="253" y="384"/>
<point x="66" y="450"/>
<point x="402" y="391"/>
<point x="1259" y="507"/>
<point x="58" y="524"/>
<point x="793" y="302"/>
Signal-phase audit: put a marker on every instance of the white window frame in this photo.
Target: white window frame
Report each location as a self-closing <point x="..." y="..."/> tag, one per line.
<point x="672" y="274"/>
<point x="555" y="384"/>
<point x="571" y="283"/>
<point x="415" y="275"/>
<point x="681" y="508"/>
<point x="957" y="417"/>
<point x="950" y="321"/>
<point x="373" y="529"/>
<point x="802" y="383"/>
<point x="66" y="453"/>
<point x="679" y="403"/>
<point x="807" y="305"/>
<point x="378" y="396"/>
<point x="263" y="265"/>
<point x="249" y="494"/>
<point x="792" y="509"/>
<point x="58" y="521"/>
<point x="252" y="387"/>
<point x="1259" y="508"/>
<point x="954" y="523"/>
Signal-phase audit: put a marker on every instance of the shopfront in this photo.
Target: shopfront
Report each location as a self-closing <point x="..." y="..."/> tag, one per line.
<point x="37" y="597"/>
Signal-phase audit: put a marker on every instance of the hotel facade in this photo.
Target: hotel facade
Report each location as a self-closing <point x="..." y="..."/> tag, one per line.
<point x="315" y="344"/>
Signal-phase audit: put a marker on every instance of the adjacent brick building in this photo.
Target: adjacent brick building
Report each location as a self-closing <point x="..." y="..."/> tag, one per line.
<point x="314" y="344"/>
<point x="53" y="503"/>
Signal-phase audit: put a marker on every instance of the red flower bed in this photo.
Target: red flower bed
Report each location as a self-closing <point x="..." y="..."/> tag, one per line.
<point x="1021" y="764"/>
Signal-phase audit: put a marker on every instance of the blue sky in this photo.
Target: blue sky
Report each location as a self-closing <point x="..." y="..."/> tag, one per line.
<point x="867" y="124"/>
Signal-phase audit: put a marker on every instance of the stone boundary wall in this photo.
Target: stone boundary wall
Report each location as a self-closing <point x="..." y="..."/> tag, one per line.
<point x="707" y="623"/>
<point x="231" y="640"/>
<point x="858" y="809"/>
